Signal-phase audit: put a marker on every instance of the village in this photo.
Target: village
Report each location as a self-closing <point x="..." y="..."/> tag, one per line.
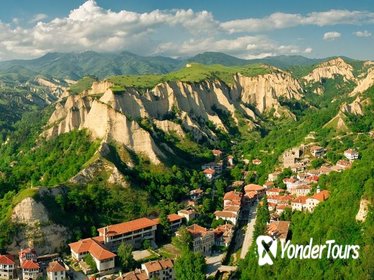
<point x="233" y="233"/>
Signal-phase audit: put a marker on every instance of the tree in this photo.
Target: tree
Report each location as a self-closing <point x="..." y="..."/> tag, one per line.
<point x="90" y="262"/>
<point x="317" y="162"/>
<point x="183" y="239"/>
<point x="164" y="227"/>
<point x="126" y="259"/>
<point x="190" y="266"/>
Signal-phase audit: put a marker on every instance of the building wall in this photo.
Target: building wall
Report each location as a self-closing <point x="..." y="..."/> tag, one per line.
<point x="27" y="274"/>
<point x="104" y="265"/>
<point x="58" y="275"/>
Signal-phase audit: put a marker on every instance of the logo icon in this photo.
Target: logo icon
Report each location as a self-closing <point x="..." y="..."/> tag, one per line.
<point x="265" y="246"/>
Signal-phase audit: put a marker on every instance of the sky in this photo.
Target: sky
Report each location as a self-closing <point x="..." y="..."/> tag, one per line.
<point x="243" y="28"/>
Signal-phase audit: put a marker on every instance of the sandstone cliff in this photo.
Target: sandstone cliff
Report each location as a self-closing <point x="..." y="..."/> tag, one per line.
<point x="364" y="83"/>
<point x="116" y="115"/>
<point x="330" y="69"/>
<point x="36" y="229"/>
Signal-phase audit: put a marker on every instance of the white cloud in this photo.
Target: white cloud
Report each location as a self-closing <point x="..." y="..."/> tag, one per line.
<point x="331" y="36"/>
<point x="285" y="20"/>
<point x="178" y="32"/>
<point x="38" y="17"/>
<point x="364" y="33"/>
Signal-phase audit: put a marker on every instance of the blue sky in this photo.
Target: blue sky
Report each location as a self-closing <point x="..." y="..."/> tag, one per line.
<point x="246" y="29"/>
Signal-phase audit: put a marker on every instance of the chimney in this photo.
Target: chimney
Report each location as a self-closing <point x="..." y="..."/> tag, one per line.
<point x="106" y="229"/>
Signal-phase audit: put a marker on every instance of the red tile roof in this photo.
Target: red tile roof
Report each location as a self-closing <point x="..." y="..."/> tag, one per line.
<point x="253" y="187"/>
<point x="300" y="199"/>
<point x="217" y="152"/>
<point x="322" y="195"/>
<point x="134" y="275"/>
<point x="233" y="195"/>
<point x="197" y="230"/>
<point x="127" y="227"/>
<point x="93" y="247"/>
<point x="225" y="214"/>
<point x="55" y="267"/>
<point x="279" y="229"/>
<point x="276" y="190"/>
<point x="209" y="171"/>
<point x="29" y="265"/>
<point x="7" y="259"/>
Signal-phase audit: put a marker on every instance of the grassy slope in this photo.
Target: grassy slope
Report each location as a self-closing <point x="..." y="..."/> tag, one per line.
<point x="195" y="73"/>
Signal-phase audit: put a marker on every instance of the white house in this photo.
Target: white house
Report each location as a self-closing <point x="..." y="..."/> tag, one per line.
<point x="7" y="267"/>
<point x="314" y="200"/>
<point x="351" y="154"/>
<point x="56" y="271"/>
<point x="161" y="269"/>
<point x="299" y="203"/>
<point x="30" y="270"/>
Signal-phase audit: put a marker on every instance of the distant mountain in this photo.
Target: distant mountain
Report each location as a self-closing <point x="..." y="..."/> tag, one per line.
<point x="77" y="65"/>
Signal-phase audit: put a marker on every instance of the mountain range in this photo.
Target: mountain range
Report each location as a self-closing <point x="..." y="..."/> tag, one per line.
<point x="76" y="65"/>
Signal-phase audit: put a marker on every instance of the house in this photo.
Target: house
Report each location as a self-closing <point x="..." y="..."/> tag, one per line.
<point x="317" y="151"/>
<point x="290" y="157"/>
<point x="133" y="232"/>
<point x="56" y="271"/>
<point x="217" y="153"/>
<point x="291" y="183"/>
<point x="314" y="200"/>
<point x="175" y="221"/>
<point x="7" y="267"/>
<point x="278" y="230"/>
<point x="351" y="154"/>
<point x="223" y="235"/>
<point x="268" y="184"/>
<point x="274" y="191"/>
<point x="232" y="198"/>
<point x="311" y="179"/>
<point x="209" y="173"/>
<point x="272" y="206"/>
<point x="27" y="254"/>
<point x="30" y="270"/>
<point x="299" y="203"/>
<point x="280" y="208"/>
<point x="227" y="216"/>
<point x="196" y="194"/>
<point x="259" y="190"/>
<point x="137" y="274"/>
<point x="256" y="161"/>
<point x="343" y="164"/>
<point x="230" y="160"/>
<point x="103" y="258"/>
<point x="216" y="166"/>
<point x="160" y="269"/>
<point x="202" y="239"/>
<point x="188" y="214"/>
<point x="279" y="199"/>
<point x="236" y="185"/>
<point x="303" y="190"/>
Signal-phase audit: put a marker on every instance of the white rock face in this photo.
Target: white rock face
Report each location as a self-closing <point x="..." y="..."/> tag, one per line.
<point x="114" y="115"/>
<point x="364" y="84"/>
<point x="329" y="69"/>
<point x="37" y="231"/>
<point x="363" y="211"/>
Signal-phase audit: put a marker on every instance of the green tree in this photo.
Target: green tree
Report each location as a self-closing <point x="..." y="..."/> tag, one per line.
<point x="90" y="262"/>
<point x="190" y="266"/>
<point x="183" y="240"/>
<point x="126" y="259"/>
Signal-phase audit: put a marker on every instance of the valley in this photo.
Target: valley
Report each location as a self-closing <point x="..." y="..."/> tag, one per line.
<point x="186" y="160"/>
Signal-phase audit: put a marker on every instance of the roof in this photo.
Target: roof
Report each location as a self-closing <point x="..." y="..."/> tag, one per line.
<point x="134" y="275"/>
<point x="343" y="162"/>
<point x="152" y="266"/>
<point x="269" y="184"/>
<point x="127" y="227"/>
<point x="253" y="187"/>
<point x="225" y="214"/>
<point x="7" y="259"/>
<point x="233" y="195"/>
<point x="232" y="208"/>
<point x="55" y="266"/>
<point x="209" y="171"/>
<point x="237" y="183"/>
<point x="256" y="161"/>
<point x="300" y="199"/>
<point x="304" y="187"/>
<point x="197" y="230"/>
<point x="289" y="180"/>
<point x="171" y="218"/>
<point x="27" y="264"/>
<point x="217" y="152"/>
<point x="351" y="152"/>
<point x="322" y="195"/>
<point x="93" y="247"/>
<point x="223" y="228"/>
<point x="279" y="229"/>
<point x="315" y="148"/>
<point x="278" y="190"/>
